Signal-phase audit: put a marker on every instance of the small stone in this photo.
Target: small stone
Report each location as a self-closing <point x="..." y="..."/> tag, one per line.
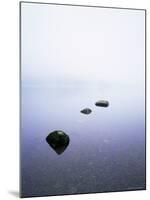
<point x="58" y="140"/>
<point x="102" y="103"/>
<point x="86" y="111"/>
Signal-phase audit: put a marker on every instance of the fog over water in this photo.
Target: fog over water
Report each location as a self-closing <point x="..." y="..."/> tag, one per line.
<point x="71" y="58"/>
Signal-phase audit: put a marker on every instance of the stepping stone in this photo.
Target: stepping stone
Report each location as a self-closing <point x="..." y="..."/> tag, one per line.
<point x="86" y="111"/>
<point x="102" y="103"/>
<point x="58" y="140"/>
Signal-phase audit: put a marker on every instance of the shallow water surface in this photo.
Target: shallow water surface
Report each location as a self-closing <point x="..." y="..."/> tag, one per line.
<point x="107" y="147"/>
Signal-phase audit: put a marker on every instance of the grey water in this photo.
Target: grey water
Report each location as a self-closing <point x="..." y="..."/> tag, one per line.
<point x="107" y="147"/>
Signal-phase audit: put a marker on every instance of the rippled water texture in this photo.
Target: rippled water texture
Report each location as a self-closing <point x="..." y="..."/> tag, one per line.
<point x="106" y="150"/>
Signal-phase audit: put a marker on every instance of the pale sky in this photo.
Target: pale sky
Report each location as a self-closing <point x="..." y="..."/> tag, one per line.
<point x="71" y="45"/>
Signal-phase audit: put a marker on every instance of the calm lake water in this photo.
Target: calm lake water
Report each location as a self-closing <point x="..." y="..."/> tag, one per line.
<point x="107" y="147"/>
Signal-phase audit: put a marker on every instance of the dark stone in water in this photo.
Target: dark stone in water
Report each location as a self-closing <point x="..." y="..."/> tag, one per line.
<point x="58" y="140"/>
<point x="86" y="111"/>
<point x="102" y="103"/>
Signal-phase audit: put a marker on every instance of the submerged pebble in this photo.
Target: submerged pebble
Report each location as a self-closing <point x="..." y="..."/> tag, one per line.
<point x="102" y="103"/>
<point x="86" y="111"/>
<point x="58" y="140"/>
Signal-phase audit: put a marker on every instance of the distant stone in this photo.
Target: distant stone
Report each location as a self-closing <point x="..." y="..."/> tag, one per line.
<point x="86" y="111"/>
<point x="58" y="140"/>
<point x="102" y="103"/>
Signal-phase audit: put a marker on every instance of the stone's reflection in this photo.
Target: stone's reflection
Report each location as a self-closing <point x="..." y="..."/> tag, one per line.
<point x="58" y="140"/>
<point x="86" y="111"/>
<point x="102" y="103"/>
